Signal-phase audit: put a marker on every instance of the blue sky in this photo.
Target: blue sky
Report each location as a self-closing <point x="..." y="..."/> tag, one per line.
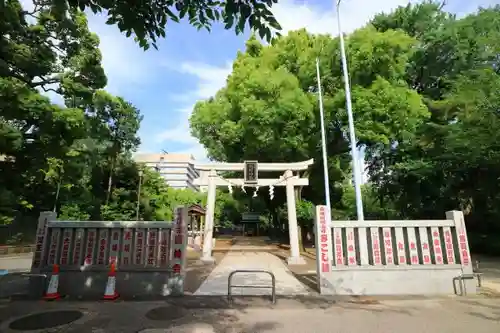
<point x="191" y="65"/>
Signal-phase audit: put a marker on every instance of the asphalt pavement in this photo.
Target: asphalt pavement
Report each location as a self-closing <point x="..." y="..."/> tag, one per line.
<point x="213" y="315"/>
<point x="12" y="281"/>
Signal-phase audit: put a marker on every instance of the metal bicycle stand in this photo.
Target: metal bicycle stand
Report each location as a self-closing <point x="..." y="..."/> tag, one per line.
<point x="476" y="274"/>
<point x="230" y="286"/>
<point x="38" y="283"/>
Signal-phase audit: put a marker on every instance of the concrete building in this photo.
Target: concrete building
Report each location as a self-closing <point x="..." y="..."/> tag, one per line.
<point x="177" y="169"/>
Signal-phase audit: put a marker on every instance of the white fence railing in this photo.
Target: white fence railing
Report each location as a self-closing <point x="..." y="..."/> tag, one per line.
<point x="91" y="246"/>
<point x="391" y="257"/>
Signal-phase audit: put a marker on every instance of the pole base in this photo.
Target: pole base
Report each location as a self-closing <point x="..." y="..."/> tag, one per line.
<point x="296" y="261"/>
<point x="208" y="260"/>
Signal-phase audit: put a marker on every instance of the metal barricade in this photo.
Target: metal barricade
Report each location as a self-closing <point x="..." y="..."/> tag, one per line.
<point x="476" y="274"/>
<point x="230" y="286"/>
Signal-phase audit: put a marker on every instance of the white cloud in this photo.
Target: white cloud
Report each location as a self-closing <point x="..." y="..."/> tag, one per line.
<point x="209" y="80"/>
<point x="179" y="134"/>
<point x="353" y="14"/>
<point x="124" y="62"/>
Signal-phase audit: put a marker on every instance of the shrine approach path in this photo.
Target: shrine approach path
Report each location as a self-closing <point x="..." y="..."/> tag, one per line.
<point x="245" y="254"/>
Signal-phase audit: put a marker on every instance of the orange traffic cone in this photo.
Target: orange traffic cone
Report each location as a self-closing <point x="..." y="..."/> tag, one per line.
<point x="52" y="293"/>
<point x="110" y="293"/>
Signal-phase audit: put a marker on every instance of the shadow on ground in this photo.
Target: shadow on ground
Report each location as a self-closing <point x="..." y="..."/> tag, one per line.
<point x="494" y="309"/>
<point x="197" y="272"/>
<point x="301" y="272"/>
<point x="185" y="314"/>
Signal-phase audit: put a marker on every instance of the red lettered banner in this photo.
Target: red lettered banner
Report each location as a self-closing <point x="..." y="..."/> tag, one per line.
<point x="78" y="248"/>
<point x="324" y="229"/>
<point x="126" y="255"/>
<point x="103" y="247"/>
<point x="464" y="253"/>
<point x="351" y="247"/>
<point x="152" y="246"/>
<point x="389" y="255"/>
<point x="90" y="246"/>
<point x="164" y="247"/>
<point x="450" y="252"/>
<point x="67" y="238"/>
<point x="180" y="241"/>
<point x="377" y="260"/>
<point x="436" y="246"/>
<point x="115" y="246"/>
<point x="54" y="246"/>
<point x="140" y="235"/>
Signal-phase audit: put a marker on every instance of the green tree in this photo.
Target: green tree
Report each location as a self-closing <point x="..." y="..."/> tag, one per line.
<point x="38" y="53"/>
<point x="116" y="123"/>
<point x="450" y="163"/>
<point x="269" y="109"/>
<point x="62" y="157"/>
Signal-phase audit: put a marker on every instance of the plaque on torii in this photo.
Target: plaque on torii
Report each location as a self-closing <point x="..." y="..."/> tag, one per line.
<point x="251" y="173"/>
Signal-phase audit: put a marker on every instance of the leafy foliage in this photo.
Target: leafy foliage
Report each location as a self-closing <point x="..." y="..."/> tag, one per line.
<point x="425" y="98"/>
<point x="147" y="20"/>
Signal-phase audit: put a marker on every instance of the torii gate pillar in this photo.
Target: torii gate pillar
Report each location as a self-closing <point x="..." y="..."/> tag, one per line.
<point x="206" y="256"/>
<point x="293" y="230"/>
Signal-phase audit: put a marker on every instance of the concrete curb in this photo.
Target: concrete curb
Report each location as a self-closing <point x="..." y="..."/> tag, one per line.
<point x="4" y="272"/>
<point x="12" y="250"/>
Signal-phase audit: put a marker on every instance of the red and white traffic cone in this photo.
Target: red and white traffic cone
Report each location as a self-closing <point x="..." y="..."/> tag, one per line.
<point x="52" y="293"/>
<point x="110" y="293"/>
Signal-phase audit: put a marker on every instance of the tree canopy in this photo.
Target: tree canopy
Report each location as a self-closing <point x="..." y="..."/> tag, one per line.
<point x="269" y="110"/>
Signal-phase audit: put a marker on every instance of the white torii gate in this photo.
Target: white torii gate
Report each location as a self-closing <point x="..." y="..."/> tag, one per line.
<point x="212" y="180"/>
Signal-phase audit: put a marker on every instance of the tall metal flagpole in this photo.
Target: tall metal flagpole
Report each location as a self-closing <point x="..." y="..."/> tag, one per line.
<point x="323" y="140"/>
<point x="352" y="134"/>
<point x="138" y="196"/>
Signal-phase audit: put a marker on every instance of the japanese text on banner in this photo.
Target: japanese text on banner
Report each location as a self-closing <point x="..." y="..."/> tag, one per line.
<point x="325" y="265"/>
<point x="463" y="248"/>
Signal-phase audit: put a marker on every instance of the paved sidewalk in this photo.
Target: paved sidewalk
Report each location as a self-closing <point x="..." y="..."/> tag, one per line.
<point x="17" y="262"/>
<point x="212" y="315"/>
<point x="286" y="283"/>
